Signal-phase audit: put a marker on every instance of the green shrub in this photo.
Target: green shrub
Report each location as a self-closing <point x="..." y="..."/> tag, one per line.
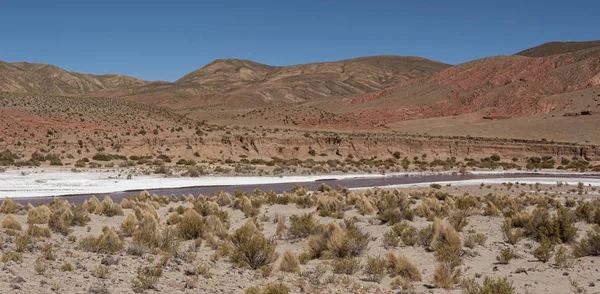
<point x="147" y="277"/>
<point x="588" y="245"/>
<point x="490" y="286"/>
<point x="544" y="251"/>
<point x="303" y="226"/>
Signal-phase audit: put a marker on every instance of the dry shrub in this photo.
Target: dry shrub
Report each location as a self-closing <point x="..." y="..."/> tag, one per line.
<point x="36" y="231"/>
<point x="280" y="229"/>
<point x="129" y="224"/>
<point x="173" y="218"/>
<point x="490" y="286"/>
<point x="48" y="252"/>
<point x="108" y="208"/>
<point x="127" y="203"/>
<point x="9" y="206"/>
<point x="491" y="209"/>
<point x="147" y="231"/>
<point x="330" y="207"/>
<point x="410" y="236"/>
<point x="191" y="225"/>
<point x="458" y="220"/>
<point x="427" y="235"/>
<point x="101" y="272"/>
<point x="509" y="234"/>
<point x="22" y="241"/>
<point x="143" y="208"/>
<point x="390" y="239"/>
<point x="108" y="242"/>
<point x="91" y="204"/>
<point x="505" y="255"/>
<point x="289" y="262"/>
<point x="303" y="226"/>
<point x="473" y="240"/>
<point x="251" y="248"/>
<point x="8" y="256"/>
<point x="448" y="246"/>
<point x="147" y="277"/>
<point x="66" y="267"/>
<point x="39" y="215"/>
<point x="9" y="222"/>
<point x="545" y="251"/>
<point x="563" y="259"/>
<point x="588" y="245"/>
<point x="348" y="266"/>
<point x="375" y="268"/>
<point x="79" y="216"/>
<point x="446" y="276"/>
<point x="429" y="208"/>
<point x="224" y="199"/>
<point x="214" y="225"/>
<point x="60" y="221"/>
<point x="276" y="288"/>
<point x="402" y="266"/>
<point x="40" y="266"/>
<point x="402" y="284"/>
<point x="364" y="206"/>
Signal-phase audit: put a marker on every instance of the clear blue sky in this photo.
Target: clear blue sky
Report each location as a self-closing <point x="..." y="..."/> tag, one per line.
<point x="164" y="40"/>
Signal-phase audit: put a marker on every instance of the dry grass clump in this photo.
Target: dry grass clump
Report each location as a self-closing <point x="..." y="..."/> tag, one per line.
<point x="289" y="262"/>
<point x="215" y="226"/>
<point x="505" y="255"/>
<point x="337" y="242"/>
<point x="430" y="208"/>
<point x="22" y="242"/>
<point x="274" y="288"/>
<point x="37" y="231"/>
<point x="128" y="225"/>
<point x="375" y="268"/>
<point x="347" y="266"/>
<point x="509" y="234"/>
<point x="108" y="208"/>
<point x="9" y="222"/>
<point x="393" y="207"/>
<point x="38" y="215"/>
<point x="446" y="275"/>
<point x="558" y="228"/>
<point x="109" y="242"/>
<point x="563" y="259"/>
<point x="428" y="235"/>
<point x="127" y="203"/>
<point x="448" y="246"/>
<point x="489" y="286"/>
<point x="9" y="206"/>
<point x="330" y="207"/>
<point x="364" y="205"/>
<point x="303" y="226"/>
<point x="173" y="218"/>
<point x="402" y="266"/>
<point x="251" y="248"/>
<point x="66" y="267"/>
<point x="91" y="204"/>
<point x="402" y="284"/>
<point x="588" y="245"/>
<point x="473" y="240"/>
<point x="48" y="252"/>
<point x="545" y="251"/>
<point x="60" y="221"/>
<point x="280" y="229"/>
<point x="146" y="232"/>
<point x="491" y="210"/>
<point x="147" y="277"/>
<point x="191" y="225"/>
<point x="458" y="220"/>
<point x="9" y="256"/>
<point x="101" y="272"/>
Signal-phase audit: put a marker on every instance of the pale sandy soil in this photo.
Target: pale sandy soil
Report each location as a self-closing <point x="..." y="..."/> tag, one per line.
<point x="479" y="262"/>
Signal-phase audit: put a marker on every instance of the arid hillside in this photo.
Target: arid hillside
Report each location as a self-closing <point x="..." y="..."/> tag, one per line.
<point x="552" y="48"/>
<point x="234" y="83"/>
<point x="23" y="77"/>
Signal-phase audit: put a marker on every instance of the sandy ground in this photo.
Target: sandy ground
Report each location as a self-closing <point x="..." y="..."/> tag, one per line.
<point x="479" y="262"/>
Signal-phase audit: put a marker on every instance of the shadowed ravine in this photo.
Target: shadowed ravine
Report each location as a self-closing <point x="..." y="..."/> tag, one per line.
<point x="282" y="187"/>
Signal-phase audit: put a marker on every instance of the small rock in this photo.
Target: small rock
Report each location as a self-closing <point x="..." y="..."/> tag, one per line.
<point x="17" y="280"/>
<point x="565" y="274"/>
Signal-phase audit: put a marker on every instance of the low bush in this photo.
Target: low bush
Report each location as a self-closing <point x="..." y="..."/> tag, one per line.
<point x="9" y="222"/>
<point x="251" y="248"/>
<point x="489" y="286"/>
<point x="147" y="277"/>
<point x="545" y="251"/>
<point x="402" y="266"/>
<point x="446" y="276"/>
<point x="375" y="268"/>
<point x="108" y="242"/>
<point x="191" y="225"/>
<point x="348" y="266"/>
<point x="289" y="263"/>
<point x="505" y="255"/>
<point x="303" y="226"/>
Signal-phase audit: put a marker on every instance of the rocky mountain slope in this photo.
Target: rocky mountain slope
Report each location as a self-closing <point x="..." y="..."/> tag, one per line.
<point x="237" y="83"/>
<point x="23" y="77"/>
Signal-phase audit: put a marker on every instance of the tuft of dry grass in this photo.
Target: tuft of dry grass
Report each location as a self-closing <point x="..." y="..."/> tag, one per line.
<point x="108" y="208"/>
<point x="505" y="255"/>
<point x="375" y="268"/>
<point x="280" y="229"/>
<point x="191" y="225"/>
<point x="251" y="248"/>
<point x="303" y="226"/>
<point x="446" y="276"/>
<point x="402" y="266"/>
<point x="39" y="215"/>
<point x="9" y="206"/>
<point x="173" y="218"/>
<point x="9" y="222"/>
<point x="109" y="242"/>
<point x="129" y="224"/>
<point x="289" y="262"/>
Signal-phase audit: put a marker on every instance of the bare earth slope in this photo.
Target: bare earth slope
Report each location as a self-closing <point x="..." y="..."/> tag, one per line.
<point x="552" y="48"/>
<point x="235" y="83"/>
<point x="26" y="77"/>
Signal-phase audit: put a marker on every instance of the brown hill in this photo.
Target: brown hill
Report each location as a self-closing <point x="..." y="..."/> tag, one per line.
<point x="552" y="48"/>
<point x="496" y="87"/>
<point x="235" y="83"/>
<point x="23" y="77"/>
